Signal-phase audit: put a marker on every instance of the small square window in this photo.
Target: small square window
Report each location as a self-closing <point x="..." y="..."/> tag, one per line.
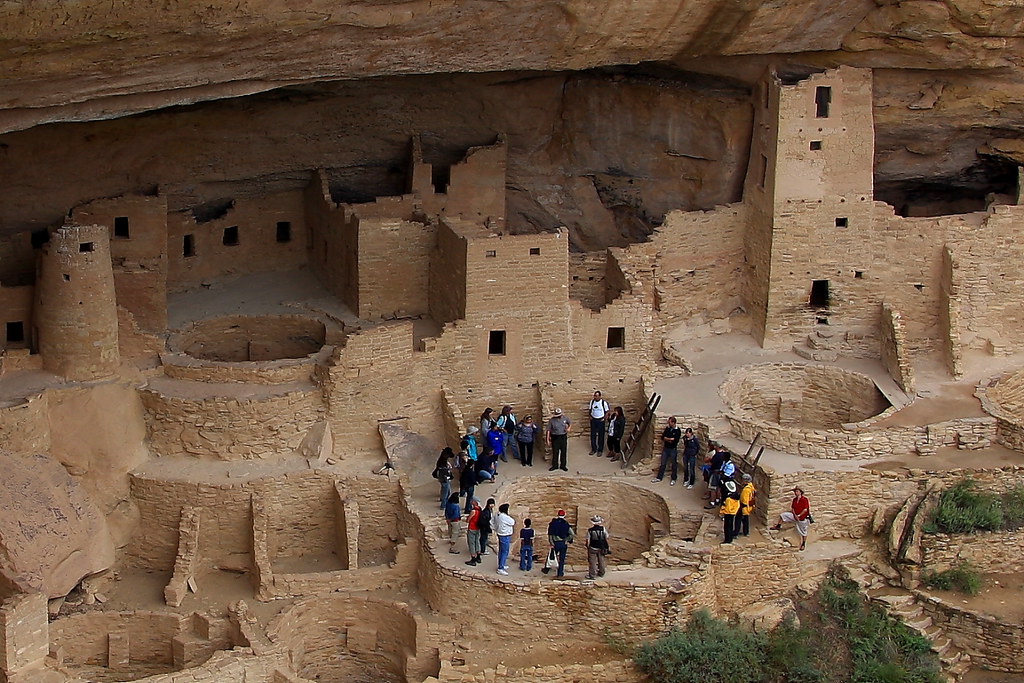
<point x="490" y="253"/>
<point x="616" y="337"/>
<point x="231" y="236"/>
<point x="15" y="332"/>
<point x="496" y="343"/>
<point x="842" y="222"/>
<point x="815" y="145"/>
<point x="188" y="246"/>
<point x="284" y="231"/>
<point x="67" y="277"/>
<point x="859" y="274"/>
<point x="85" y="247"/>
<point x="534" y="251"/>
<point x="121" y="230"/>
<point x="919" y="287"/>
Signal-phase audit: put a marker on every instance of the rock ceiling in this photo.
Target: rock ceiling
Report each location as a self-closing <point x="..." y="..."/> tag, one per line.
<point x="560" y="77"/>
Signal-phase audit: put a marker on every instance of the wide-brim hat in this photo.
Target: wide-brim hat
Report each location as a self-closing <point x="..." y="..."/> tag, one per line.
<point x="558" y="411"/>
<point x="597" y="519"/>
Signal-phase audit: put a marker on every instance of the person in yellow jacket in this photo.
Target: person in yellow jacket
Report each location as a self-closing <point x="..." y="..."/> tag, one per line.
<point x="748" y="496"/>
<point x="730" y="507"/>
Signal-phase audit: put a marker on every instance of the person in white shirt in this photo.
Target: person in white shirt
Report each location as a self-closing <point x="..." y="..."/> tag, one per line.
<point x="504" y="527"/>
<point x="598" y="427"/>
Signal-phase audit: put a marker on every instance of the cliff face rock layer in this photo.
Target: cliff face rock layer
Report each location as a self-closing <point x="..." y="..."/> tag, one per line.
<point x="597" y="142"/>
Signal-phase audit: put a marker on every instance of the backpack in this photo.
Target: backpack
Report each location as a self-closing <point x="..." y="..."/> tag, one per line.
<point x="598" y="538"/>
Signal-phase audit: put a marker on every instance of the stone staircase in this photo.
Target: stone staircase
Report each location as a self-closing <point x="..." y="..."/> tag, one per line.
<point x="904" y="605"/>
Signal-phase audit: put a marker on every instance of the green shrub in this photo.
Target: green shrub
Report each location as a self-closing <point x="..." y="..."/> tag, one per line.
<point x="961" y="510"/>
<point x="1013" y="508"/>
<point x="707" y="650"/>
<point x="963" y="578"/>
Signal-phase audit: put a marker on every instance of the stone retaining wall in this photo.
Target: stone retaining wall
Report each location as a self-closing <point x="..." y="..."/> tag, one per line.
<point x="182" y="366"/>
<point x="995" y="552"/>
<point x="991" y="642"/>
<point x="610" y="672"/>
<point x="227" y="428"/>
<point x="1003" y="398"/>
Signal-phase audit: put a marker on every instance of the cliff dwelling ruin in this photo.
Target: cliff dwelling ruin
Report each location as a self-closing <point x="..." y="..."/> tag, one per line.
<point x="244" y="312"/>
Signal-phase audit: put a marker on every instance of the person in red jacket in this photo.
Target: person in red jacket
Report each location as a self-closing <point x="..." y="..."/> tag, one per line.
<point x="799" y="514"/>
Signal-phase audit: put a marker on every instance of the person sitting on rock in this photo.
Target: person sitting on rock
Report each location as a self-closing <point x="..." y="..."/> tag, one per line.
<point x="799" y="514"/>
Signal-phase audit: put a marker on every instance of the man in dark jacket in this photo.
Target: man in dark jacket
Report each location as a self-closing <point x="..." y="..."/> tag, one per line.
<point x="560" y="534"/>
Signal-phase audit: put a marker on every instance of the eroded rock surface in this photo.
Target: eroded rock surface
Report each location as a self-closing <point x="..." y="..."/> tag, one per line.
<point x="57" y="536"/>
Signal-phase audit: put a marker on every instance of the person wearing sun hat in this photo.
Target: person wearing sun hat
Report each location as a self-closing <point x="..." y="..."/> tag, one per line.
<point x="558" y="440"/>
<point x="597" y="547"/>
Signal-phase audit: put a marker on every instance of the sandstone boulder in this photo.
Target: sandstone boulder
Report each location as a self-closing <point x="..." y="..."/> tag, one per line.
<point x="58" y="536"/>
<point x="764" y="616"/>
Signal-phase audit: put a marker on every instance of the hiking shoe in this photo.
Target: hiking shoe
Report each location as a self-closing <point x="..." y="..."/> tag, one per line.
<point x="655" y="480"/>
<point x="689" y="486"/>
<point x="503" y="572"/>
<point x="672" y="483"/>
<point x="564" y="469"/>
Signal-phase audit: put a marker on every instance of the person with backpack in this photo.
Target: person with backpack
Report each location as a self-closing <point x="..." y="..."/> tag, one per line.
<point x="443" y="473"/>
<point x="616" y="430"/>
<point x="597" y="547"/>
<point x="526" y="436"/>
<point x="730" y="506"/>
<point x="467" y="480"/>
<point x="748" y="495"/>
<point x="486" y="517"/>
<point x="507" y="423"/>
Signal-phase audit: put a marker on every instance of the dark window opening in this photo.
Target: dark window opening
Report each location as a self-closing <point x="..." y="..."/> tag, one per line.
<point x="39" y="238"/>
<point x="819" y="294"/>
<point x="491" y="254"/>
<point x="15" y="332"/>
<point x="815" y="145"/>
<point x="121" y="227"/>
<point x="919" y="287"/>
<point x="85" y="247"/>
<point x="822" y="100"/>
<point x="284" y="231"/>
<point x="440" y="176"/>
<point x="188" y="246"/>
<point x="231" y="236"/>
<point x="763" y="174"/>
<point x="496" y="343"/>
<point x="842" y="222"/>
<point x="534" y="251"/>
<point x="859" y="274"/>
<point x="67" y="277"/>
<point x="616" y="337"/>
<point x="822" y="321"/>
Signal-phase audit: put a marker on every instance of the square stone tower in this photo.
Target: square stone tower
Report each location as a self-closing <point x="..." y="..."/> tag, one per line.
<point x="810" y="184"/>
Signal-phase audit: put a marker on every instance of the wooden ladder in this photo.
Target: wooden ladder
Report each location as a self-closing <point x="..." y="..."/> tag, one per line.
<point x="642" y="423"/>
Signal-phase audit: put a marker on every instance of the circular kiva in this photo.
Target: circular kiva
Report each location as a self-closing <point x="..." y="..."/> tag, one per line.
<point x="240" y="338"/>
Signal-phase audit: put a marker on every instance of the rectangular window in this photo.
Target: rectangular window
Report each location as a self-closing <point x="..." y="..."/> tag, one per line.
<point x="822" y="100"/>
<point x="763" y="173"/>
<point x="819" y="294"/>
<point x="121" y="230"/>
<point x="231" y="236"/>
<point x="66" y="276"/>
<point x="859" y="274"/>
<point x="842" y="222"/>
<point x="616" y="337"/>
<point x="284" y="231"/>
<point x="534" y="251"/>
<point x="85" y="247"/>
<point x="496" y="343"/>
<point x="815" y="145"/>
<point x="188" y="246"/>
<point x="15" y="332"/>
<point x="39" y="238"/>
<point x="490" y="253"/>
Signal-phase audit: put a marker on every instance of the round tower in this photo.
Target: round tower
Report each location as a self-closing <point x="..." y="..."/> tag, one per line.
<point x="76" y="311"/>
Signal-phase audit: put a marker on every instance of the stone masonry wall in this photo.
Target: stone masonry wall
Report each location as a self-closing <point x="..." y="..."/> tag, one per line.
<point x="610" y="672"/>
<point x="894" y="349"/>
<point x="1000" y="552"/>
<point x="230" y="427"/>
<point x="16" y="304"/>
<point x="256" y="249"/>
<point x="587" y="278"/>
<point x="991" y="642"/>
<point x="394" y="267"/>
<point x="24" y="633"/>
